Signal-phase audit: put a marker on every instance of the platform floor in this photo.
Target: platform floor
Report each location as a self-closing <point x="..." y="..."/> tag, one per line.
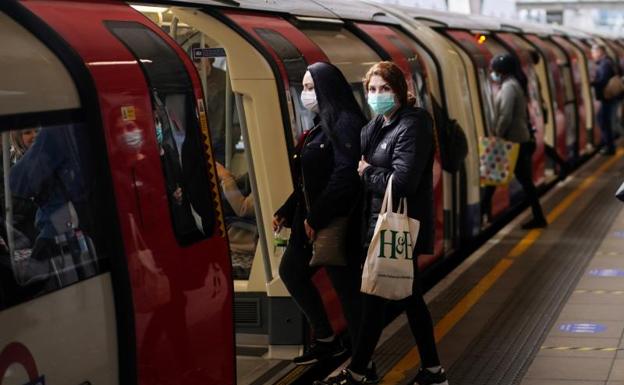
<point x="540" y="307"/>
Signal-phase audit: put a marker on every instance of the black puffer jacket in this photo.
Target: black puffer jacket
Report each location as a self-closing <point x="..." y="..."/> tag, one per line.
<point x="404" y="147"/>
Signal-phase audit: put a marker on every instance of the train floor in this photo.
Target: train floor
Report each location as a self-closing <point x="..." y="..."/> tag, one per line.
<point x="539" y="307"/>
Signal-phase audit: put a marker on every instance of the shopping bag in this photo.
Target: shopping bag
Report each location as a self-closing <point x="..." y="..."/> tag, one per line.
<point x="497" y="160"/>
<point x="389" y="269"/>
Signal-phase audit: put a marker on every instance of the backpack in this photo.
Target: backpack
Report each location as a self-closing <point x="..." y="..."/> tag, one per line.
<point x="452" y="140"/>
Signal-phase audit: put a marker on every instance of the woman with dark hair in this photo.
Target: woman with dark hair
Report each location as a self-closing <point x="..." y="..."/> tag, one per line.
<point x="511" y="122"/>
<point x="326" y="188"/>
<point x="398" y="142"/>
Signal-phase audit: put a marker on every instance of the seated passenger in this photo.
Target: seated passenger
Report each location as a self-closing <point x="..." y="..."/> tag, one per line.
<point x="239" y="212"/>
<point x="21" y="140"/>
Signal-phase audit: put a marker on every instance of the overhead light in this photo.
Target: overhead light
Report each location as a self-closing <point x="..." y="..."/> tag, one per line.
<point x="149" y="8"/>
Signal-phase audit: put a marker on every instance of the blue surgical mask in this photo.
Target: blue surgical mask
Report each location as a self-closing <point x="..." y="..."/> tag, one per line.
<point x="495" y="76"/>
<point x="159" y="132"/>
<point x="381" y="103"/>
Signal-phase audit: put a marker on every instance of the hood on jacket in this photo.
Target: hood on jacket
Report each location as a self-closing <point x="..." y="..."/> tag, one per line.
<point x="334" y="94"/>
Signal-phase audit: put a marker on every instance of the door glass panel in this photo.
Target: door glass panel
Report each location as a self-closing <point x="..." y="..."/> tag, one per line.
<point x="296" y="67"/>
<point x="349" y="54"/>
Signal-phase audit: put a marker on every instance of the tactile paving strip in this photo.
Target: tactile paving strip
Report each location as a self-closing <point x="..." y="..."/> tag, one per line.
<point x="502" y="352"/>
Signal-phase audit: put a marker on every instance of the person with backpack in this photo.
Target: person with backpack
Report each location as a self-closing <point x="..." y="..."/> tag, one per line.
<point x="399" y="143"/>
<point x="605" y="70"/>
<point x="511" y="122"/>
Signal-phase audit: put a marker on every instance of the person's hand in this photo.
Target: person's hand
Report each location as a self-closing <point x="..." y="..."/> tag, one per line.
<point x="221" y="171"/>
<point x="310" y="232"/>
<point x="177" y="194"/>
<point x="363" y="165"/>
<point x="278" y="222"/>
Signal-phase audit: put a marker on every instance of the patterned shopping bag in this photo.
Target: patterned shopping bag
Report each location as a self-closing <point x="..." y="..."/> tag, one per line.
<point x="497" y="160"/>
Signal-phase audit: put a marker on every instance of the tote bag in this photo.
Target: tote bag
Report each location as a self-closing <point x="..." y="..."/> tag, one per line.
<point x="389" y="269"/>
<point x="497" y="160"/>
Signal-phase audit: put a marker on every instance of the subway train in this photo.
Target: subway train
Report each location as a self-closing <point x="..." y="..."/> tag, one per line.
<point x="140" y="271"/>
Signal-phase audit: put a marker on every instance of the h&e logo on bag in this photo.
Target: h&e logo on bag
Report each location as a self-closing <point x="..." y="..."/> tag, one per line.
<point x="400" y="245"/>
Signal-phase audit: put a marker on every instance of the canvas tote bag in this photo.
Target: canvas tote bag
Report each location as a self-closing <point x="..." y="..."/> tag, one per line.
<point x="389" y="270"/>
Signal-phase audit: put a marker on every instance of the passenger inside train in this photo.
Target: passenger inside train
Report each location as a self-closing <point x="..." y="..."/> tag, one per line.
<point x="46" y="242"/>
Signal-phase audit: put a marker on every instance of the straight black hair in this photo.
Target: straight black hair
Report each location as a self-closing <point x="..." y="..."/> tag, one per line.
<point x="334" y="95"/>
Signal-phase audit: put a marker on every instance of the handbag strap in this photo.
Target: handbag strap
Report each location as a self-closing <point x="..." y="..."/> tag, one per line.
<point x="386" y="205"/>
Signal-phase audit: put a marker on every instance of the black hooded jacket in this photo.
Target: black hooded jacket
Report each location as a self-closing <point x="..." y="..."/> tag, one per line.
<point x="327" y="159"/>
<point x="404" y="147"/>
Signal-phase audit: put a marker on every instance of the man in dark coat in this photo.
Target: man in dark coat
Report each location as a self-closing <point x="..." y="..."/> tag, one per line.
<point x="605" y="70"/>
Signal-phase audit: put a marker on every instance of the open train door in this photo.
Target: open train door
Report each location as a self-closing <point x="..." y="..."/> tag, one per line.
<point x="164" y="179"/>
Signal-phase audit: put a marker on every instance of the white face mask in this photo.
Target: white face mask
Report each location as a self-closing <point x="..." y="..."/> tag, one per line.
<point x="308" y="99"/>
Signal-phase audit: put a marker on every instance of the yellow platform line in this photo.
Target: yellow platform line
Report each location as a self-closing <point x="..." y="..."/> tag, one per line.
<point x="411" y="359"/>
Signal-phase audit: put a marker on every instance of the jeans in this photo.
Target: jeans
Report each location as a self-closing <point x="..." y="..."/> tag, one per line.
<point x="606" y="129"/>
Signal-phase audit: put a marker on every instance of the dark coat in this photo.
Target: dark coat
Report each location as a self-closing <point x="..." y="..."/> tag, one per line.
<point x="605" y="70"/>
<point x="329" y="182"/>
<point x="404" y="147"/>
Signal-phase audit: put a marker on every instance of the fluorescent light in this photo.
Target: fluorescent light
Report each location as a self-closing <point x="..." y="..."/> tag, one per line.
<point x="149" y="8"/>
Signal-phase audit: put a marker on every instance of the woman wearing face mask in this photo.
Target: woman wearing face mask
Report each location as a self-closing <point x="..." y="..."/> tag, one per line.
<point x="399" y="141"/>
<point x="511" y="123"/>
<point x="326" y="188"/>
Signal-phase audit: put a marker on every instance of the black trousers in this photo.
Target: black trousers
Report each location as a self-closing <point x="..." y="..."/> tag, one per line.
<point x="418" y="316"/>
<point x="296" y="273"/>
<point x="605" y="120"/>
<point x="524" y="174"/>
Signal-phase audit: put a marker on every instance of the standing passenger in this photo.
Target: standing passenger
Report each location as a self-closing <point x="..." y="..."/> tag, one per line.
<point x="511" y="123"/>
<point x="328" y="181"/>
<point x="398" y="142"/>
<point x="605" y="70"/>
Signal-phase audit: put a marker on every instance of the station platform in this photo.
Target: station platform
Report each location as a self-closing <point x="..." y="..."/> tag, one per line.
<point x="540" y="307"/>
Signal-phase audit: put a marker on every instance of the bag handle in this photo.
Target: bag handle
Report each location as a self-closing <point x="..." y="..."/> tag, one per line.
<point x="387" y="195"/>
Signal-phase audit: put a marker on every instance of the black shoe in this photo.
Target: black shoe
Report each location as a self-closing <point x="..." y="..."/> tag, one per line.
<point x="371" y="375"/>
<point x="319" y="351"/>
<point x="535" y="224"/>
<point x="425" y="377"/>
<point x="607" y="152"/>
<point x="344" y="378"/>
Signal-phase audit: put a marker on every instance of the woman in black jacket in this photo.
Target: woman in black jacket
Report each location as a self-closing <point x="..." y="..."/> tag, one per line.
<point x="398" y="142"/>
<point x="327" y="187"/>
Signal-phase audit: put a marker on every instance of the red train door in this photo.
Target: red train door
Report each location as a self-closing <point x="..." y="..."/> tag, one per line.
<point x="556" y="85"/>
<point x="481" y="57"/>
<point x="156" y="132"/>
<point x="519" y="47"/>
<point x="401" y="51"/>
<point x="575" y="66"/>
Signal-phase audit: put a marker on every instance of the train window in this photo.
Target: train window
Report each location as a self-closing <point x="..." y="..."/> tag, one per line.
<point x="178" y="132"/>
<point x="418" y="73"/>
<point x="296" y="67"/>
<point x="348" y="53"/>
<point x="48" y="235"/>
<point x="224" y="118"/>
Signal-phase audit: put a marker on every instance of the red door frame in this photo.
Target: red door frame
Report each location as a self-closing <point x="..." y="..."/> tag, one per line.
<point x="534" y="104"/>
<point x="481" y="58"/>
<point x="558" y="92"/>
<point x="596" y="104"/>
<point x="574" y="62"/>
<point x="381" y="34"/>
<point x="138" y="181"/>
